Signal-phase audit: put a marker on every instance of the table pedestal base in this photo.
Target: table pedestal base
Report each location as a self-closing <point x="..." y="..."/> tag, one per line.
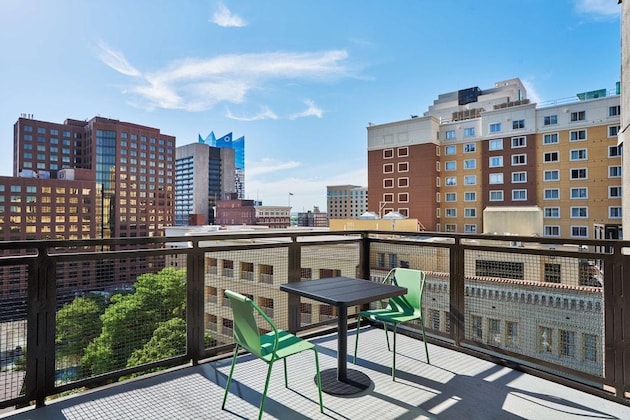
<point x="356" y="382"/>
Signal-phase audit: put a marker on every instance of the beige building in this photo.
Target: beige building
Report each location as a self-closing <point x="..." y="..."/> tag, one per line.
<point x="346" y="201"/>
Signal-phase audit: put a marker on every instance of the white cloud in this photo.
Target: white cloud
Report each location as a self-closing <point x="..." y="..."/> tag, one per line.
<point x="532" y="94"/>
<point x="224" y="17"/>
<point x="200" y="84"/>
<point x="116" y="60"/>
<point x="311" y="111"/>
<point x="601" y="8"/>
<point x="267" y="166"/>
<point x="264" y="114"/>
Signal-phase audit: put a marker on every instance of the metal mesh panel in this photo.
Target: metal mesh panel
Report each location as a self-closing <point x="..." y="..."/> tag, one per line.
<point x="118" y="313"/>
<point x="434" y="261"/>
<point x="13" y="331"/>
<point x="542" y="306"/>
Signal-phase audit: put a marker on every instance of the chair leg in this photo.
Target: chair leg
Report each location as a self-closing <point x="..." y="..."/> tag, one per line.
<point x="319" y="381"/>
<point x="264" y="396"/>
<point x="286" y="376"/>
<point x="424" y="338"/>
<point x="386" y="335"/>
<point x="356" y="342"/>
<point x="394" y="356"/>
<point x="229" y="380"/>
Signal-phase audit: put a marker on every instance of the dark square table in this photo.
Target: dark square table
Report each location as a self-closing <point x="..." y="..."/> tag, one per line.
<point x="343" y="292"/>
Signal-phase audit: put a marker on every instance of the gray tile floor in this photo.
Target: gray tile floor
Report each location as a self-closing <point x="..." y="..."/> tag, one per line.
<point x="454" y="386"/>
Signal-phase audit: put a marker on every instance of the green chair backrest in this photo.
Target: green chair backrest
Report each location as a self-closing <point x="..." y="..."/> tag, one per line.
<point x="414" y="281"/>
<point x="245" y="328"/>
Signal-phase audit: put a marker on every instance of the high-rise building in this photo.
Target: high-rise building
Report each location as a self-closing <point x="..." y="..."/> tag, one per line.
<point x="624" y="132"/>
<point x="479" y="156"/>
<point x="313" y="218"/>
<point x="346" y="201"/>
<point x="132" y="168"/>
<point x="204" y="174"/>
<point x="238" y="145"/>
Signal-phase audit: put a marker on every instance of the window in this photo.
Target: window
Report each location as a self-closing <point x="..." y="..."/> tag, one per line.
<point x="403" y="197"/>
<point x="567" y="343"/>
<point x="519" y="195"/>
<point x="494" y="331"/>
<point x="495" y="144"/>
<point x="551" y="230"/>
<point x="470" y="228"/>
<point x="496" y="178"/>
<point x="578" y="116"/>
<point x="495" y="161"/>
<point x="451" y="196"/>
<point x="470" y="147"/>
<point x="614" y="192"/>
<point x="450" y="165"/>
<point x="437" y="166"/>
<point x="450" y="150"/>
<point x="579" y="173"/>
<point x="552" y="212"/>
<point x="614" y="151"/>
<point x="388" y="183"/>
<point x="450" y="227"/>
<point x="388" y="153"/>
<point x="403" y="182"/>
<point x="517" y="124"/>
<point x="476" y="329"/>
<point x="403" y="151"/>
<point x="614" y="110"/>
<point x="519" y="177"/>
<point x="403" y="167"/>
<point x="519" y="142"/>
<point x="470" y="163"/>
<point x="579" y="193"/>
<point x="511" y="334"/>
<point x="613" y="130"/>
<point x="589" y="347"/>
<point x="551" y="193"/>
<point x="550" y="138"/>
<point x="450" y="134"/>
<point x="450" y="181"/>
<point x="614" y="171"/>
<point x="470" y="180"/>
<point x="551" y="157"/>
<point x="579" y="231"/>
<point x="450" y="212"/>
<point x="495" y="127"/>
<point x="552" y="273"/>
<point x="614" y="212"/>
<point x="551" y="175"/>
<point x="470" y="212"/>
<point x="545" y="340"/>
<point x="496" y="195"/>
<point x="502" y="269"/>
<point x="579" y="212"/>
<point x="550" y="120"/>
<point x="469" y="132"/>
<point x="520" y="159"/>
<point x="578" y="154"/>
<point x="388" y="168"/>
<point x="577" y="135"/>
<point x="470" y="196"/>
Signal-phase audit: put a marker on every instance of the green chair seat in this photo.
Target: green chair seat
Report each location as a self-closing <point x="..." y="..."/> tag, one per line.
<point x="399" y="309"/>
<point x="270" y="347"/>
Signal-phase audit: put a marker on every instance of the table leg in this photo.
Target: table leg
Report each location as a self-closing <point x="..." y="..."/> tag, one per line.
<point x="342" y="381"/>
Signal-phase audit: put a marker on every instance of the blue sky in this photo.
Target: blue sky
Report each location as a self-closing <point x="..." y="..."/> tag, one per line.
<point x="300" y="80"/>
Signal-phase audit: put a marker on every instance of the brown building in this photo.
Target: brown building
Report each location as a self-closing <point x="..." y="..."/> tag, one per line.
<point x="235" y="212"/>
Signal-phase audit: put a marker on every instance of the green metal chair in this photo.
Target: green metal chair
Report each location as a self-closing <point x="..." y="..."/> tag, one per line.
<point x="400" y="308"/>
<point x="270" y="347"/>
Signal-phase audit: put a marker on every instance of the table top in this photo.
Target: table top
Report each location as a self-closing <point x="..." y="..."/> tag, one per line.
<point x="343" y="291"/>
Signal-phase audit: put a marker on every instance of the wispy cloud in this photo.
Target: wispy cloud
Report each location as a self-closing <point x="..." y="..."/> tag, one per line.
<point x="267" y="166"/>
<point x="225" y="18"/>
<point x="599" y="8"/>
<point x="199" y="84"/>
<point x="312" y="110"/>
<point x="532" y="93"/>
<point x="264" y="114"/>
<point x="116" y="60"/>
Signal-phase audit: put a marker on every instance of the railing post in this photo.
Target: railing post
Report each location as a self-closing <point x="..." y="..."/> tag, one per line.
<point x="294" y="274"/>
<point x="364" y="257"/>
<point x="195" y="302"/>
<point x="456" y="298"/>
<point x="616" y="324"/>
<point x="40" y="339"/>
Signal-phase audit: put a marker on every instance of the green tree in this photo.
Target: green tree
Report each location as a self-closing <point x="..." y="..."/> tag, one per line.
<point x="78" y="323"/>
<point x="168" y="340"/>
<point x="130" y="320"/>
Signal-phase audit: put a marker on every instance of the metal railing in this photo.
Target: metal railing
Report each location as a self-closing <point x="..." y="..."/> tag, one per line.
<point x="547" y="306"/>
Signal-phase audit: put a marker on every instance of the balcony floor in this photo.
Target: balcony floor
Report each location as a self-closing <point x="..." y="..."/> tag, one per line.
<point x="454" y="386"/>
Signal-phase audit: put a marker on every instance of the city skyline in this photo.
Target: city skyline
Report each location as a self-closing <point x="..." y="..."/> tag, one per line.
<point x="297" y="80"/>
